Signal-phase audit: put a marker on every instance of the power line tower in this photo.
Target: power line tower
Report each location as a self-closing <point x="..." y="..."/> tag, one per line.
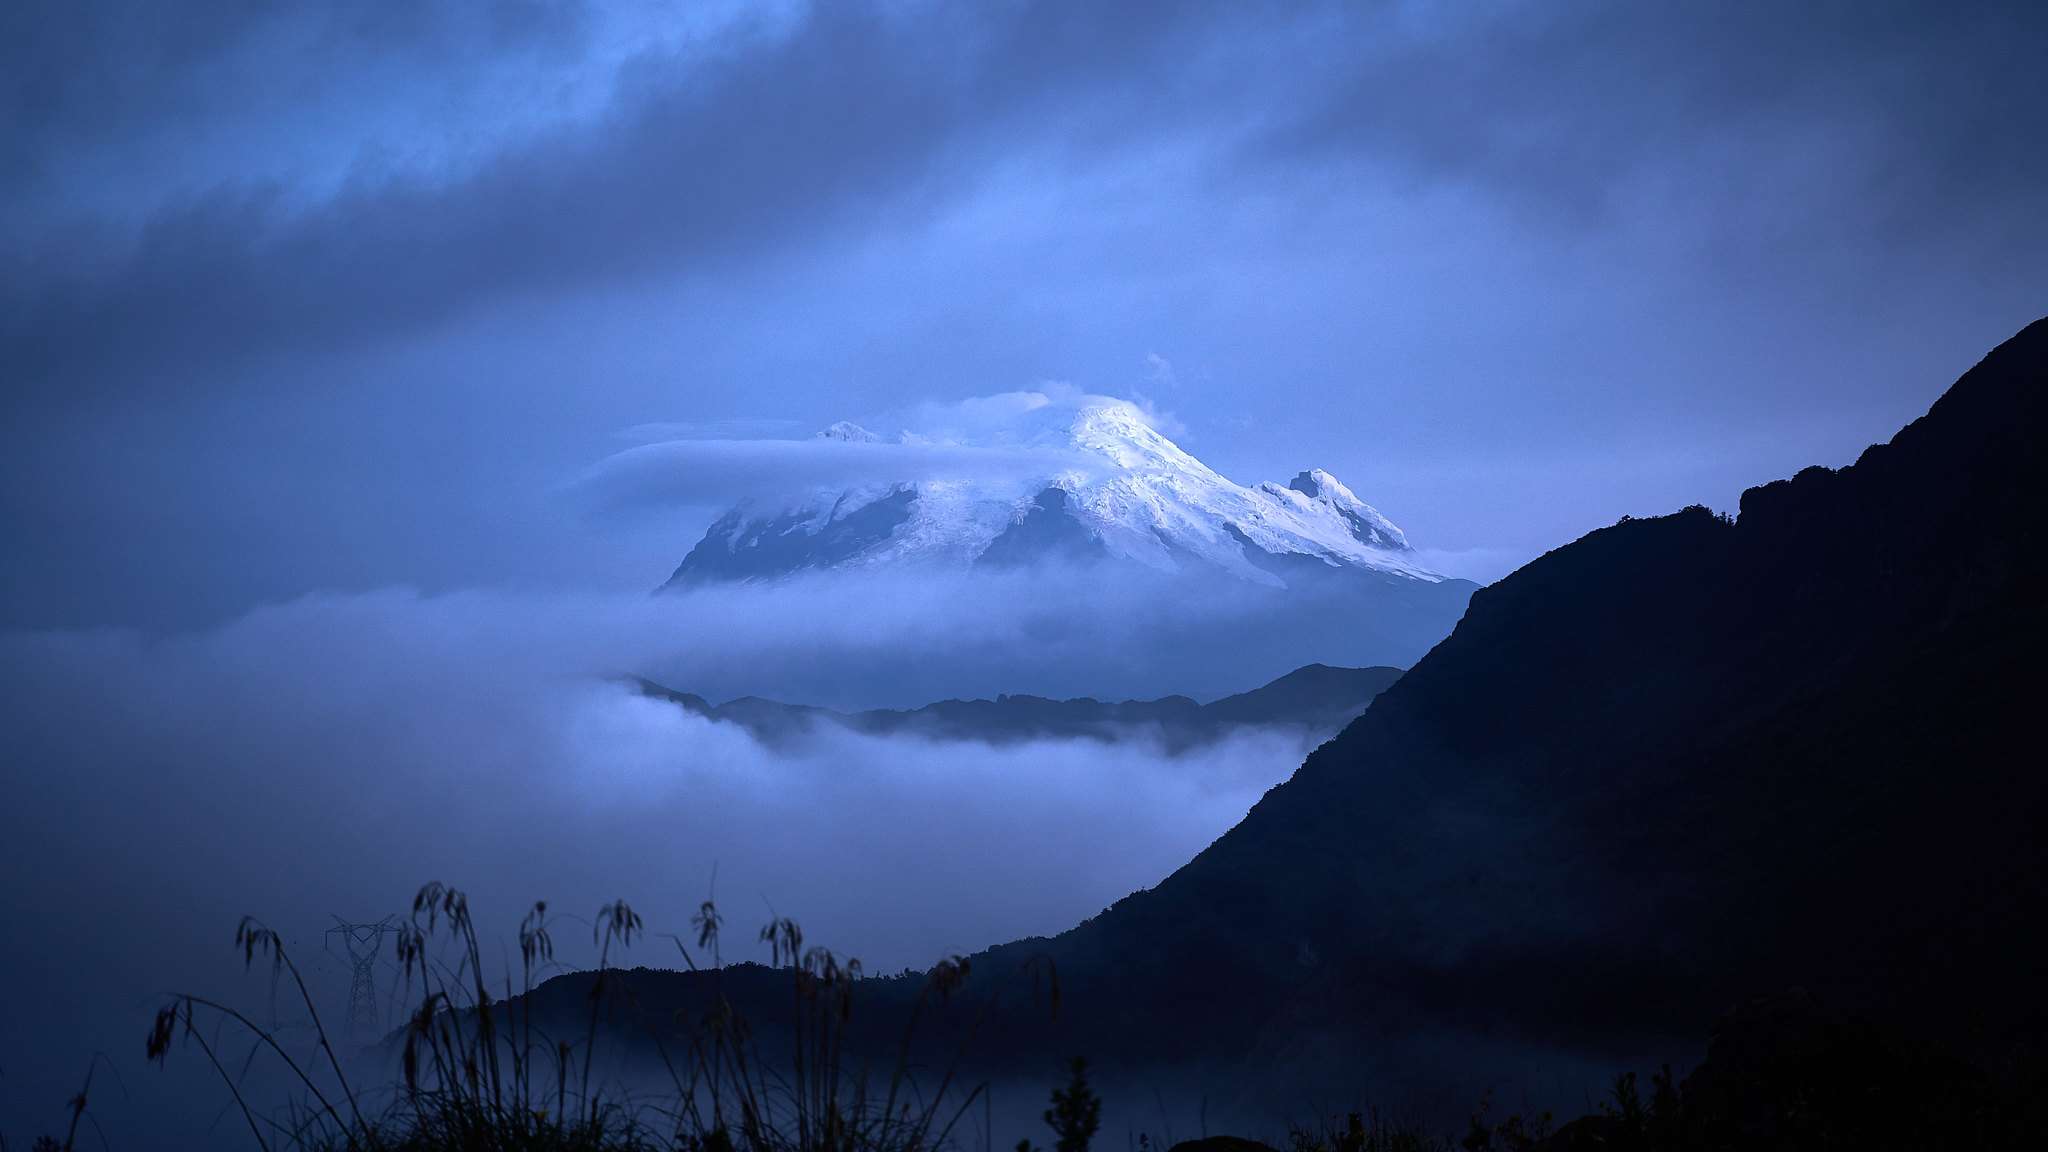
<point x="362" y="943"/>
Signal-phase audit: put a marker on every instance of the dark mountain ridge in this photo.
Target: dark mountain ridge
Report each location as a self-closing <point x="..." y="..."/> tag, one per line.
<point x="1313" y="698"/>
<point x="1678" y="764"/>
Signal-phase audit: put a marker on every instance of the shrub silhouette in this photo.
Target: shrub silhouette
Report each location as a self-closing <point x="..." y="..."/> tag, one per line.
<point x="1076" y="1111"/>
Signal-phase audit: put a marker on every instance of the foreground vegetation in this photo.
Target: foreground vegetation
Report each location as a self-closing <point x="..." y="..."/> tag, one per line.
<point x="478" y="1071"/>
<point x="1780" y="1075"/>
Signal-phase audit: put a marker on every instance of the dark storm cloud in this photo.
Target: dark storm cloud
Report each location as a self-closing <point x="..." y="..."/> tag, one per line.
<point x="101" y="66"/>
<point x="694" y="164"/>
<point x="683" y="175"/>
<point x="1887" y="112"/>
<point x="77" y="78"/>
<point x="1867" y="115"/>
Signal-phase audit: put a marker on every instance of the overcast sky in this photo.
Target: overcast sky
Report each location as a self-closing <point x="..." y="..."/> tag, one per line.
<point x="301" y="297"/>
<point x="324" y="327"/>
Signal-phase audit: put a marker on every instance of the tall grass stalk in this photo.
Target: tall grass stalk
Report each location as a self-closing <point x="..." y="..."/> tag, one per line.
<point x="481" y="1068"/>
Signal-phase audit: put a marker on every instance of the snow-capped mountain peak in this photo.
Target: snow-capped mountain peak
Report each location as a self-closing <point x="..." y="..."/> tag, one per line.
<point x="1326" y="495"/>
<point x="1087" y="477"/>
<point x="849" y="431"/>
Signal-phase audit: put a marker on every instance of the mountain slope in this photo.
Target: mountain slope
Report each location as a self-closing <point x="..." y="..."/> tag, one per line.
<point x="1314" y="698"/>
<point x="1085" y="550"/>
<point x="1108" y="486"/>
<point x="1678" y="763"/>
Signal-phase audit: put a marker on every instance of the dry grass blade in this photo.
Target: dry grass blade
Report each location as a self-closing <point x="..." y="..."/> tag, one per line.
<point x="480" y="1070"/>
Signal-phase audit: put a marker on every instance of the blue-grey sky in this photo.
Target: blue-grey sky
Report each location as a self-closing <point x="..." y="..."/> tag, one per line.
<point x="317" y="320"/>
<point x="301" y="297"/>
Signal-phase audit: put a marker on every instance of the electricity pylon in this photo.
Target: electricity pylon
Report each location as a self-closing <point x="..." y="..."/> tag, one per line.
<point x="362" y="942"/>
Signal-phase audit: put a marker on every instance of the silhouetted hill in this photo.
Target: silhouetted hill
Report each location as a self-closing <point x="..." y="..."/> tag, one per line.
<point x="1678" y="764"/>
<point x="1316" y="697"/>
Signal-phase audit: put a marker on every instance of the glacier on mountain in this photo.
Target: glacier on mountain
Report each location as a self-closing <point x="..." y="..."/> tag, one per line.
<point x="1112" y="487"/>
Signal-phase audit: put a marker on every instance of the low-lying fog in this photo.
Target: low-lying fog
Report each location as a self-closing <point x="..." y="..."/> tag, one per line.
<point x="327" y="756"/>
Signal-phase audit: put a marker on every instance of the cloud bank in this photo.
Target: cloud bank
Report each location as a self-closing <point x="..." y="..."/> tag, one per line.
<point x="330" y="754"/>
